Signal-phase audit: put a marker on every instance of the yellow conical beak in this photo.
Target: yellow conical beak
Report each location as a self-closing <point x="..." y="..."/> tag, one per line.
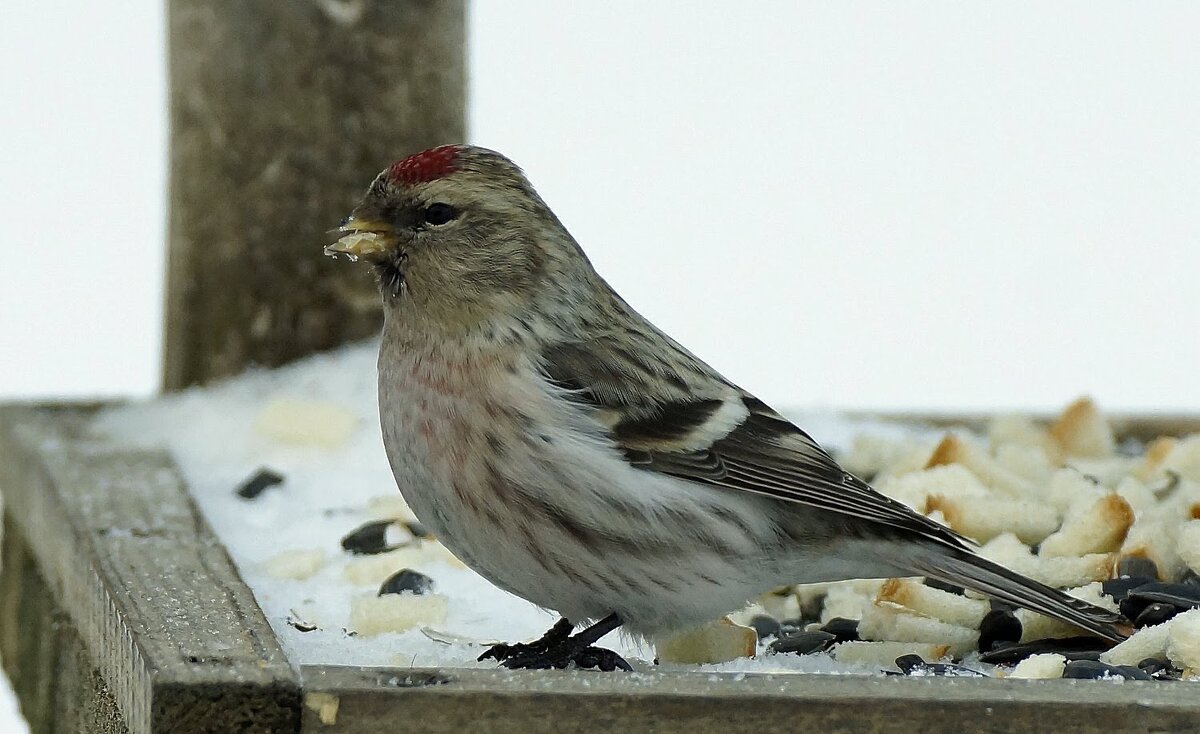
<point x="366" y="240"/>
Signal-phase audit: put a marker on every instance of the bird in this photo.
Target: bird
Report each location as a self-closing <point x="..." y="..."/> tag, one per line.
<point x="572" y="453"/>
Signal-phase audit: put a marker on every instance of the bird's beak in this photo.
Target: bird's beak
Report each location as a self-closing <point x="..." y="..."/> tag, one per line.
<point x="362" y="239"/>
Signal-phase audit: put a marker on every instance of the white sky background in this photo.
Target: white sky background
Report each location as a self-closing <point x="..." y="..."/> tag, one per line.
<point x="938" y="205"/>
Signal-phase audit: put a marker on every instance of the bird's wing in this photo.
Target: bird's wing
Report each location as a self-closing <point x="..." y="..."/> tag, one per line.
<point x="676" y="416"/>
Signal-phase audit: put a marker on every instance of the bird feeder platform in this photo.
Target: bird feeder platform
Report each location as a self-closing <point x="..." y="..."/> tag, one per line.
<point x="120" y="611"/>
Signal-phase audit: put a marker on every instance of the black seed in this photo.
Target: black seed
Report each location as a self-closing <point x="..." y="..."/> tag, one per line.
<point x="792" y="626"/>
<point x="407" y="580"/>
<point x="368" y="539"/>
<point x="942" y="585"/>
<point x="1182" y="596"/>
<point x="301" y="626"/>
<point x="1131" y="607"/>
<point x="844" y="630"/>
<point x="1136" y="566"/>
<point x="803" y="643"/>
<point x="1156" y="613"/>
<point x="998" y="626"/>
<point x="1082" y="647"/>
<point x="1092" y="669"/>
<point x="1000" y="606"/>
<point x="1158" y="668"/>
<point x="255" y="485"/>
<point x="1118" y="589"/>
<point x="766" y="626"/>
<point x="417" y="530"/>
<point x="915" y="665"/>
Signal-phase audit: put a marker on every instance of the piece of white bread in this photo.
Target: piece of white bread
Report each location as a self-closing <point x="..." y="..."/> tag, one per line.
<point x="1100" y="527"/>
<point x="954" y="450"/>
<point x="885" y="623"/>
<point x="983" y="518"/>
<point x="918" y="598"/>
<point x="717" y="642"/>
<point x="376" y="615"/>
<point x="1080" y="430"/>
<point x="884" y="654"/>
<point x="1183" y="643"/>
<point x="914" y="488"/>
<point x="1036" y="626"/>
<point x="1067" y="572"/>
<point x="1189" y="544"/>
<point x="1148" y="642"/>
<point x="1046" y="665"/>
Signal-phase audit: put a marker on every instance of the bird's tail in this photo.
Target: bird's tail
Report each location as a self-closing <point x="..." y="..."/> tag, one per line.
<point x="964" y="568"/>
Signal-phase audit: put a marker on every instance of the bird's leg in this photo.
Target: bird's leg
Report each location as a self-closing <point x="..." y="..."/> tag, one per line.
<point x="556" y="649"/>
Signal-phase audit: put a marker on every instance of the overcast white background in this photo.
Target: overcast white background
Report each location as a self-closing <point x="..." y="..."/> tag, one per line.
<point x="937" y="205"/>
<point x="863" y="204"/>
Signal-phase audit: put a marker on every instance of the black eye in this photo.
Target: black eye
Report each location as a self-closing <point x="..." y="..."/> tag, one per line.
<point x="439" y="213"/>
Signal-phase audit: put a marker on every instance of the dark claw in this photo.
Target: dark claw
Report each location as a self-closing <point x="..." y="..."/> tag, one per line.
<point x="559" y="649"/>
<point x="599" y="657"/>
<point x="531" y="657"/>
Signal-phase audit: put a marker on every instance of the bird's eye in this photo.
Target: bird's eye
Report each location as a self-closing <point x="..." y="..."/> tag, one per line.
<point x="439" y="213"/>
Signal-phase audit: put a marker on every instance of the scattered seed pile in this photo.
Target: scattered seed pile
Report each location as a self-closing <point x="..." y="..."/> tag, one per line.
<point x="288" y="467"/>
<point x="1117" y="526"/>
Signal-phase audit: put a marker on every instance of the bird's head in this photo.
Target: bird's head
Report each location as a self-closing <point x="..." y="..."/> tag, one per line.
<point x="455" y="233"/>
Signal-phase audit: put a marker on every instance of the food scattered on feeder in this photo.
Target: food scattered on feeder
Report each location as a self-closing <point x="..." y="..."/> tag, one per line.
<point x="1040" y="666"/>
<point x="915" y="665"/>
<point x="999" y="626"/>
<point x="295" y="565"/>
<point x="376" y="615"/>
<point x="883" y="654"/>
<point x="306" y="422"/>
<point x="843" y="630"/>
<point x="1080" y="647"/>
<point x="803" y="643"/>
<point x="407" y="580"/>
<point x="765" y="626"/>
<point x="716" y="642"/>
<point x="368" y="539"/>
<point x="1062" y="503"/>
<point x="1094" y="669"/>
<point x="257" y="484"/>
<point x="299" y="624"/>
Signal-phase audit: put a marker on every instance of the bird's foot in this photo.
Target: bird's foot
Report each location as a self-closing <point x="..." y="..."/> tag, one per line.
<point x="529" y="656"/>
<point x="558" y="649"/>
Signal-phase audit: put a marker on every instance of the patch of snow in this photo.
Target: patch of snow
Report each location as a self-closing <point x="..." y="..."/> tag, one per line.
<point x="217" y="438"/>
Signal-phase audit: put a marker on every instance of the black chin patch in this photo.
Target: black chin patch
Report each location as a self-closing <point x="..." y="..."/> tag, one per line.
<point x="391" y="276"/>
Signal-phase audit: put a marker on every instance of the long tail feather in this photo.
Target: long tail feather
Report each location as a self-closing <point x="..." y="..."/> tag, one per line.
<point x="974" y="572"/>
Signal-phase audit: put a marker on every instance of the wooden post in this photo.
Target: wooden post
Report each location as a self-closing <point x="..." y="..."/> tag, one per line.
<point x="281" y="114"/>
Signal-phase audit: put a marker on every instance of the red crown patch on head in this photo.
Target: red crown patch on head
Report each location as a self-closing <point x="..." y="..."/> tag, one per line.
<point x="428" y="165"/>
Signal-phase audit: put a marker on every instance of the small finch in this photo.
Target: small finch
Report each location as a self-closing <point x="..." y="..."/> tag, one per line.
<point x="575" y="455"/>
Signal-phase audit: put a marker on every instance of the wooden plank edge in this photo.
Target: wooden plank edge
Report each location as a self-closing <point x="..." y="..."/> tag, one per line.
<point x="152" y="694"/>
<point x="347" y="700"/>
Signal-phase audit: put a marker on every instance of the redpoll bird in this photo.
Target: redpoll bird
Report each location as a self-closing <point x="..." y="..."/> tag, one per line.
<point x="570" y="452"/>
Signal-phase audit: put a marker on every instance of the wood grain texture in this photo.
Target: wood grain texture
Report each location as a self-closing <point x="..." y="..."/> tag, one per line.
<point x="281" y="114"/>
<point x="550" y="702"/>
<point x="56" y="682"/>
<point x="154" y="598"/>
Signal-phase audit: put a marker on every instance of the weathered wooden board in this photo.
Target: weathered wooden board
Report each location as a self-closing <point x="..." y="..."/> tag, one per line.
<point x="363" y="701"/>
<point x="281" y="114"/>
<point x="139" y="577"/>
